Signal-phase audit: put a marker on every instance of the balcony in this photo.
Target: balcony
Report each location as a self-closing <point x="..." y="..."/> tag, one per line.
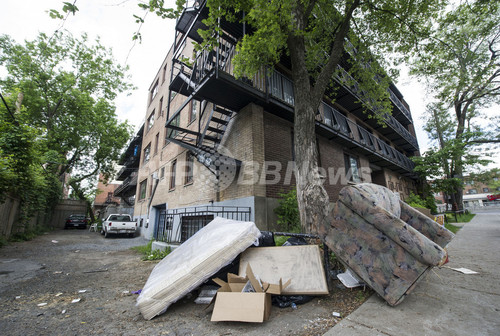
<point x="351" y="93"/>
<point x="129" y="166"/>
<point x="127" y="188"/>
<point x="335" y="126"/>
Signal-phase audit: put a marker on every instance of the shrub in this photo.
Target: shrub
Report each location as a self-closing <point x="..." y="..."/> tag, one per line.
<point x="288" y="212"/>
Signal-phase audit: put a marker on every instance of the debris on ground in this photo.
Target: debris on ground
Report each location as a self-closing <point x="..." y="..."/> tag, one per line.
<point x="464" y="270"/>
<point x="349" y="280"/>
<point x="193" y="262"/>
<point x="234" y="303"/>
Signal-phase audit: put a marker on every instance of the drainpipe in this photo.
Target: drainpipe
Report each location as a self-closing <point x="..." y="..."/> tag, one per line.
<point x="157" y="180"/>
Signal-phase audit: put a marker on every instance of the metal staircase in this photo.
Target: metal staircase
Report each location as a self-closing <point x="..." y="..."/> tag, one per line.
<point x="204" y="142"/>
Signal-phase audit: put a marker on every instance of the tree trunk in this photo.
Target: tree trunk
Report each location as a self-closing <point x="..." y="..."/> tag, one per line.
<point x="312" y="197"/>
<point x="82" y="197"/>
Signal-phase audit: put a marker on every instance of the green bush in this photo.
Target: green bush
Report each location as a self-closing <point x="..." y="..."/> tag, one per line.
<point x="416" y="201"/>
<point x="288" y="212"/>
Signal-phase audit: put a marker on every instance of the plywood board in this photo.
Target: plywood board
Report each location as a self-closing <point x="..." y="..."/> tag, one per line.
<point x="302" y="264"/>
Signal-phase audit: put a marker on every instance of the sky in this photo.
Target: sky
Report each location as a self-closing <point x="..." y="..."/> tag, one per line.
<point x="113" y="22"/>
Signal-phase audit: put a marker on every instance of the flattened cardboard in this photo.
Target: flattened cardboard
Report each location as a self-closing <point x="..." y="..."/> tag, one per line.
<point x="302" y="264"/>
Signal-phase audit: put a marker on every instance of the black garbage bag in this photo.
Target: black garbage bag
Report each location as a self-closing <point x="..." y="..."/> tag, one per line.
<point x="293" y="241"/>
<point x="266" y="239"/>
<point x="284" y="301"/>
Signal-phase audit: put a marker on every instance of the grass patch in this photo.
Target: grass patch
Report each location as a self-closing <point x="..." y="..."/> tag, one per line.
<point x="461" y="218"/>
<point x="280" y="240"/>
<point x="3" y="241"/>
<point x="28" y="234"/>
<point x="452" y="227"/>
<point x="149" y="254"/>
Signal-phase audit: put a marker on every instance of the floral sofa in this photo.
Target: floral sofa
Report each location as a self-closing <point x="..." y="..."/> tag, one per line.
<point x="387" y="243"/>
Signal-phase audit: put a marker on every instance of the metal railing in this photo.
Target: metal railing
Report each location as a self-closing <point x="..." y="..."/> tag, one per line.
<point x="178" y="225"/>
<point x="340" y="124"/>
<point x="129" y="181"/>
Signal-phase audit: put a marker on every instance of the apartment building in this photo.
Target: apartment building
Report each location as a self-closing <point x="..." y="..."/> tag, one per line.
<point x="214" y="145"/>
<point x="475" y="194"/>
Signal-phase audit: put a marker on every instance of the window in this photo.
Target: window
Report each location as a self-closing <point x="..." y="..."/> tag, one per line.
<point x="162" y="173"/>
<point x="172" y="174"/>
<point x="160" y="107"/>
<point x="171" y="132"/>
<point x="157" y="139"/>
<point x="472" y="191"/>
<point x="172" y="95"/>
<point x="164" y="73"/>
<point x="485" y="190"/>
<point x="352" y="168"/>
<point x="147" y="151"/>
<point x="194" y="110"/>
<point x="189" y="168"/>
<point x="142" y="189"/>
<point x="151" y="120"/>
<point x="154" y="90"/>
<point x="498" y="188"/>
<point x="109" y="199"/>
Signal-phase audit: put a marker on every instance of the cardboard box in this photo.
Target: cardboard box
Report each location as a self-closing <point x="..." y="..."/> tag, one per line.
<point x="231" y="304"/>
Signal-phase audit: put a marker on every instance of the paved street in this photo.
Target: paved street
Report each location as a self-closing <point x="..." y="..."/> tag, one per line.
<point x="446" y="302"/>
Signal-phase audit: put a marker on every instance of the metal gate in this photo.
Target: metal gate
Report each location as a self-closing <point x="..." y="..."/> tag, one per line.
<point x="163" y="229"/>
<point x="191" y="224"/>
<point x="188" y="221"/>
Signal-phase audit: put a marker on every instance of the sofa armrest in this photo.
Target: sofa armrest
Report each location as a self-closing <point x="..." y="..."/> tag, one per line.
<point x="425" y="225"/>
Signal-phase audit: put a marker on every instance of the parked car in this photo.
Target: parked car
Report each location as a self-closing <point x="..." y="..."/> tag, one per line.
<point x="116" y="223"/>
<point x="76" y="221"/>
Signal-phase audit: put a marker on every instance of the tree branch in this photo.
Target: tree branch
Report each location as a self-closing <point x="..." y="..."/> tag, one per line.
<point x="337" y="50"/>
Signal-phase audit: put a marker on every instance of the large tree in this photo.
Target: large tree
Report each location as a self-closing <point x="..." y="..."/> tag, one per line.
<point x="461" y="62"/>
<point x="313" y="33"/>
<point x="67" y="87"/>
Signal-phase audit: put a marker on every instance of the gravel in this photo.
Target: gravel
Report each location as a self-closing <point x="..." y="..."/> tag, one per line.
<point x="64" y="266"/>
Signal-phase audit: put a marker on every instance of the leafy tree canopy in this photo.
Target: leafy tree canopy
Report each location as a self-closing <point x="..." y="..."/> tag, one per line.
<point x="460" y="61"/>
<point x="67" y="88"/>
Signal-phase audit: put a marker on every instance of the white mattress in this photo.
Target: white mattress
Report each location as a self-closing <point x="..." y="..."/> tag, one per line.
<point x="196" y="260"/>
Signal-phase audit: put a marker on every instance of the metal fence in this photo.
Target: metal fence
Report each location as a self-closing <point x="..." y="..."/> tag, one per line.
<point x="178" y="225"/>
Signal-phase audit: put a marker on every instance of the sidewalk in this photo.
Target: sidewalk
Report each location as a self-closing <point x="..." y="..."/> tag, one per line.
<point x="446" y="302"/>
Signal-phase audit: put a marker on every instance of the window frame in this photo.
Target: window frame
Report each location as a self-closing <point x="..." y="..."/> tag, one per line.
<point x="146" y="154"/>
<point x="173" y="168"/>
<point x="143" y="185"/>
<point x="188" y="172"/>
<point x="349" y="159"/>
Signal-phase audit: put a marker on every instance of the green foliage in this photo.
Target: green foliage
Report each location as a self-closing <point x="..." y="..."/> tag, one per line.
<point x="460" y="218"/>
<point x="28" y="234"/>
<point x="288" y="212"/>
<point x="67" y="121"/>
<point x="417" y="201"/>
<point x="459" y="61"/>
<point x="3" y="241"/>
<point x="21" y="172"/>
<point x="452" y="227"/>
<point x="149" y="254"/>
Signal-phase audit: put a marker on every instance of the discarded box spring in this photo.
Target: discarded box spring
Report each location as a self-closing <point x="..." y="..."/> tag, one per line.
<point x="193" y="262"/>
<point x="384" y="241"/>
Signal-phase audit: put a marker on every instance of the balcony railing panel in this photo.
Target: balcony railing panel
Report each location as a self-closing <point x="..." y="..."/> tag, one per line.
<point x="340" y="124"/>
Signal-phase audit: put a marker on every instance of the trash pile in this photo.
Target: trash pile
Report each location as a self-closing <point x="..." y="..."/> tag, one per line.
<point x="286" y="275"/>
<point x="384" y="244"/>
